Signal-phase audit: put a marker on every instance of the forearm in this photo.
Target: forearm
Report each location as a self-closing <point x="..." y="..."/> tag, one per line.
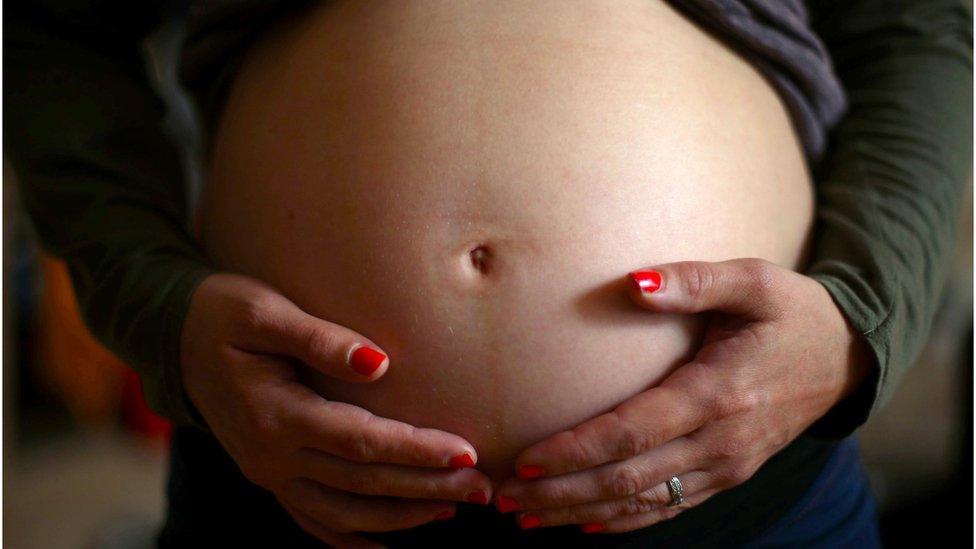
<point x="890" y="189"/>
<point x="103" y="185"/>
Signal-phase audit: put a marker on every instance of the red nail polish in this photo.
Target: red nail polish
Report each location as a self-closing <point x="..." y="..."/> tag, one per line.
<point x="593" y="527"/>
<point x="506" y="504"/>
<point x="478" y="496"/>
<point x="444" y="515"/>
<point x="462" y="461"/>
<point x="647" y="282"/>
<point x="366" y="361"/>
<point x="529" y="472"/>
<point x="528" y="520"/>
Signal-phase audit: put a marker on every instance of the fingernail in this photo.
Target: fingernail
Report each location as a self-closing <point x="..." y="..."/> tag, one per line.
<point x="592" y="527"/>
<point x="529" y="520"/>
<point x="462" y="461"/>
<point x="365" y="361"/>
<point x="444" y="515"/>
<point x="647" y="282"/>
<point x="506" y="504"/>
<point x="529" y="472"/>
<point x="478" y="496"/>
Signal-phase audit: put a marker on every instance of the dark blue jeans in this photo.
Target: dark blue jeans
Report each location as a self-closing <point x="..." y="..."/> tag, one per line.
<point x="838" y="511"/>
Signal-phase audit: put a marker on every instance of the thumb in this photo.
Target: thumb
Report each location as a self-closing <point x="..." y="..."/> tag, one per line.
<point x="329" y="348"/>
<point x="739" y="286"/>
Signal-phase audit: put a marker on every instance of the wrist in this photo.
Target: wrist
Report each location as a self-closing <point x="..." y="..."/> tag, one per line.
<point x="855" y="371"/>
<point x="191" y="328"/>
<point x="854" y="360"/>
<point x="859" y="364"/>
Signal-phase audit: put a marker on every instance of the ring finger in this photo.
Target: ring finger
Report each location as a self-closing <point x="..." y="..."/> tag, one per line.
<point x="613" y="481"/>
<point x="652" y="499"/>
<point x="633" y="522"/>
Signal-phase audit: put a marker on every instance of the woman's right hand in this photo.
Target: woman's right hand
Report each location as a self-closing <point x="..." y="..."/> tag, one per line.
<point x="335" y="467"/>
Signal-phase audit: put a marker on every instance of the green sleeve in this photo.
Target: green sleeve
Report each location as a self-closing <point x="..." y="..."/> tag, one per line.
<point x="101" y="182"/>
<point x="891" y="187"/>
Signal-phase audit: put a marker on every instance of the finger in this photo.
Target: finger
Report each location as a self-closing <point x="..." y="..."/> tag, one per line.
<point x="602" y="511"/>
<point x="608" y="482"/>
<point x="282" y="328"/>
<point x="334" y="539"/>
<point x="739" y="286"/>
<point x="355" y="434"/>
<point x="646" y="421"/>
<point x="633" y="522"/>
<point x="467" y="485"/>
<point x="343" y="512"/>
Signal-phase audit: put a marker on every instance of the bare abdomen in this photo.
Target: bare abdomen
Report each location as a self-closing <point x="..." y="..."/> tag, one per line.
<point x="467" y="183"/>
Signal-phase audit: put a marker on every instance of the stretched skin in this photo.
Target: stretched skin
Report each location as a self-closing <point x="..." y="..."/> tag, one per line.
<point x="467" y="184"/>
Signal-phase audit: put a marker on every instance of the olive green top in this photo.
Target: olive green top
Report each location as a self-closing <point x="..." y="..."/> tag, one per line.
<point x="104" y="185"/>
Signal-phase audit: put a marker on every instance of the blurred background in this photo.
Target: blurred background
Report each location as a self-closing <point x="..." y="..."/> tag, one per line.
<point x="84" y="459"/>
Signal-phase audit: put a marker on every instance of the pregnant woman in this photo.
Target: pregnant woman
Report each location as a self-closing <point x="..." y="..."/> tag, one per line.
<point x="552" y="241"/>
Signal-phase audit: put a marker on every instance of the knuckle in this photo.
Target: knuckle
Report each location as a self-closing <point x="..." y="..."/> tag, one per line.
<point x="729" y="447"/>
<point x="716" y="405"/>
<point x="257" y="314"/>
<point x="579" y="455"/>
<point x="360" y="441"/>
<point x="762" y="273"/>
<point x="781" y="437"/>
<point x="321" y="341"/>
<point x="752" y="398"/>
<point x="649" y="498"/>
<point x="359" y="446"/>
<point x="738" y="473"/>
<point x="263" y="428"/>
<point x="638" y="505"/>
<point x="739" y="400"/>
<point x="365" y="482"/>
<point x="725" y="450"/>
<point x="624" y="480"/>
<point x="632" y="441"/>
<point x="698" y="279"/>
<point x="556" y="493"/>
<point x="697" y="381"/>
<point x="765" y="280"/>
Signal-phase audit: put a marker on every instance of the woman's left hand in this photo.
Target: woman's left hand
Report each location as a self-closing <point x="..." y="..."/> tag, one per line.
<point x="776" y="356"/>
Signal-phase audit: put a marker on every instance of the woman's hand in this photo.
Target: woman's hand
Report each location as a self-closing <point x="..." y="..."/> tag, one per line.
<point x="336" y="468"/>
<point x="776" y="356"/>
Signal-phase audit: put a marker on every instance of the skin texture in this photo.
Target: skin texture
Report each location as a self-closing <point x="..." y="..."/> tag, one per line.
<point x="467" y="184"/>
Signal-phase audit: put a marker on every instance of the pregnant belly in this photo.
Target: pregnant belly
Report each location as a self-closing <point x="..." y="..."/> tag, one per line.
<point x="467" y="184"/>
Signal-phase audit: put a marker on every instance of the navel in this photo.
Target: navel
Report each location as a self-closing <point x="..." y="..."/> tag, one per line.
<point x="480" y="258"/>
